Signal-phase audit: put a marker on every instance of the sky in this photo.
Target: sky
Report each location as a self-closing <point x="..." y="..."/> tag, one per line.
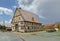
<point x="48" y="11"/>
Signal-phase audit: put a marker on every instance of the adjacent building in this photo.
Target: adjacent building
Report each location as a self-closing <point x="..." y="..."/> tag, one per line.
<point x="51" y="26"/>
<point x="24" y="21"/>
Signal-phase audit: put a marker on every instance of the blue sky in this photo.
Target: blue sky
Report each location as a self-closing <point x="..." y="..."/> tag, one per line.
<point x="7" y="5"/>
<point x="48" y="11"/>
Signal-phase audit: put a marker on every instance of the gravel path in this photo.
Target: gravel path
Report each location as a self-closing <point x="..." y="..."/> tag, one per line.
<point x="40" y="36"/>
<point x="6" y="36"/>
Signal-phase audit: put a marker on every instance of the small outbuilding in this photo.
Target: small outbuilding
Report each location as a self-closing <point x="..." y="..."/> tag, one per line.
<point x="8" y="29"/>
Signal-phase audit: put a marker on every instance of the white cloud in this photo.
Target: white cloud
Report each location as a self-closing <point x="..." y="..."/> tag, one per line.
<point x="6" y="11"/>
<point x="15" y="7"/>
<point x="31" y="5"/>
<point x="8" y="22"/>
<point x="1" y="22"/>
<point x="49" y="9"/>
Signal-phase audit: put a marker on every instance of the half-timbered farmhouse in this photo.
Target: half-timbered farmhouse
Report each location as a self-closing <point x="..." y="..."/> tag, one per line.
<point x="24" y="21"/>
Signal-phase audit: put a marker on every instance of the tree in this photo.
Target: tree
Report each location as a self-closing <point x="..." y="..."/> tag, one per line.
<point x="2" y="27"/>
<point x="59" y="26"/>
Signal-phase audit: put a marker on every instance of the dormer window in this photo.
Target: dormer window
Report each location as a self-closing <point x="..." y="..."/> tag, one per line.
<point x="32" y="18"/>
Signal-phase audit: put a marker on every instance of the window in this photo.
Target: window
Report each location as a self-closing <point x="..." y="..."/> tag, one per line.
<point x="32" y="23"/>
<point x="19" y="18"/>
<point x="32" y="27"/>
<point x="13" y="27"/>
<point x="28" y="27"/>
<point x="22" y="27"/>
<point x="21" y="22"/>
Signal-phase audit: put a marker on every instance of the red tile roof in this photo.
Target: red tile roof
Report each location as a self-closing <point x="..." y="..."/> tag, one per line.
<point x="51" y="26"/>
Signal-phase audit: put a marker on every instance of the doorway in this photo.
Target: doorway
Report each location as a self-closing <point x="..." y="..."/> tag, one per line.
<point x="16" y="27"/>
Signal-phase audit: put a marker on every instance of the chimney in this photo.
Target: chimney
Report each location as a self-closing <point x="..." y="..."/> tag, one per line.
<point x="20" y="8"/>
